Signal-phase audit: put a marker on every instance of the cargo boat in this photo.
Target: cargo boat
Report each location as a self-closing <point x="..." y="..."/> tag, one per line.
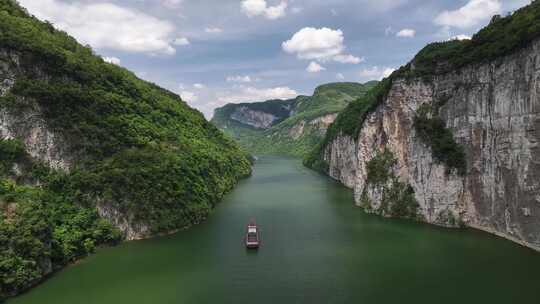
<point x="252" y="238"/>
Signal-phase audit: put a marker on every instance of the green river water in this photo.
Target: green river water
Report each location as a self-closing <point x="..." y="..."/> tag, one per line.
<point x="317" y="248"/>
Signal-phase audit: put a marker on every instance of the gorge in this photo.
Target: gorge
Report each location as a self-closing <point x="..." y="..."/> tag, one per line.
<point x="317" y="248"/>
<point x="402" y="189"/>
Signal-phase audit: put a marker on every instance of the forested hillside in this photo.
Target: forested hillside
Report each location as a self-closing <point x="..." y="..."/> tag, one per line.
<point x="91" y="155"/>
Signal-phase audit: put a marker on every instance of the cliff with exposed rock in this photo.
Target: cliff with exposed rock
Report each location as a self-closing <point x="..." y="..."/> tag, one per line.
<point x="451" y="139"/>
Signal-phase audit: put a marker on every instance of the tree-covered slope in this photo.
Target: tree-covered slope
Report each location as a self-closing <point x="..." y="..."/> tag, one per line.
<point x="299" y="123"/>
<point x="90" y="153"/>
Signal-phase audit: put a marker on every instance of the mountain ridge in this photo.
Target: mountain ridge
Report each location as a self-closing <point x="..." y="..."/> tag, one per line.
<point x="296" y="125"/>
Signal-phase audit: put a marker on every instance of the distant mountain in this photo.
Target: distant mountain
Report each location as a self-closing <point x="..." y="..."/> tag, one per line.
<point x="292" y="127"/>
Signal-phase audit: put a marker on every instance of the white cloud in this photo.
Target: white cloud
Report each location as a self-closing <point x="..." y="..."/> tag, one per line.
<point x="469" y="15"/>
<point x="311" y="43"/>
<point x="460" y="37"/>
<point x="349" y="59"/>
<point x="107" y="26"/>
<point x="340" y="76"/>
<point x="113" y="60"/>
<point x="375" y="73"/>
<point x="315" y="67"/>
<point x="251" y="94"/>
<point x="181" y="41"/>
<point x="406" y="33"/>
<point x="389" y="30"/>
<point x="189" y="97"/>
<point x="199" y="86"/>
<point x="239" y="78"/>
<point x="253" y="8"/>
<point x="278" y="11"/>
<point x="213" y="30"/>
<point x="319" y="44"/>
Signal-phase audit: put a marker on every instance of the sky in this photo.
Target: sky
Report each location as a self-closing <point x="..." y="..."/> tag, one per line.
<point x="214" y="52"/>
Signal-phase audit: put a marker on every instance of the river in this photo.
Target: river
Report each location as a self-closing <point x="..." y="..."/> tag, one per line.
<point x="317" y="248"/>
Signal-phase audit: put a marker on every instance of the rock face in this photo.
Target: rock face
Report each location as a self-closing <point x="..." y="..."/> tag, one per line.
<point x="125" y="222"/>
<point x="493" y="112"/>
<point x="322" y="123"/>
<point x="28" y="123"/>
<point x="318" y="126"/>
<point x="256" y="119"/>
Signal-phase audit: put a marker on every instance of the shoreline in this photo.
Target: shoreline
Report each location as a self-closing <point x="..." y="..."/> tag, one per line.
<point x="505" y="236"/>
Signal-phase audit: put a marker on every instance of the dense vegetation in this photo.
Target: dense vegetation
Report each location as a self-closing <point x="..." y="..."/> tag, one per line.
<point x="41" y="229"/>
<point x="503" y="36"/>
<point x="137" y="147"/>
<point x="398" y="199"/>
<point x="432" y="130"/>
<point x="11" y="151"/>
<point x="327" y="99"/>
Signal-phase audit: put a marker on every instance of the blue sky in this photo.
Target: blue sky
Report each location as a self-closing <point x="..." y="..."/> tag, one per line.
<point x="213" y="52"/>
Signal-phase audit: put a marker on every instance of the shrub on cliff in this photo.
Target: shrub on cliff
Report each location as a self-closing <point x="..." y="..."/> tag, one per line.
<point x="432" y="131"/>
<point x="398" y="199"/>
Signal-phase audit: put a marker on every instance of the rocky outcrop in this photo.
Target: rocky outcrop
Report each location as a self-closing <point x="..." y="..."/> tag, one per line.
<point x="322" y="123"/>
<point x="256" y="119"/>
<point x="297" y="130"/>
<point x="28" y="123"/>
<point x="319" y="125"/>
<point x="124" y="221"/>
<point x="493" y="112"/>
<point x="41" y="143"/>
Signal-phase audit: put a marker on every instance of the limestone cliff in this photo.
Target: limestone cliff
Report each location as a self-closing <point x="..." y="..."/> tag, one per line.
<point x="492" y="109"/>
<point x="29" y="123"/>
<point x="256" y="119"/>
